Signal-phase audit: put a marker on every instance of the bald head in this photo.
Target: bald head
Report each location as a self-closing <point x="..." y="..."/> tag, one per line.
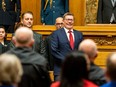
<point x="89" y="47"/>
<point x="112" y="57"/>
<point x="23" y="37"/>
<point x="59" y="23"/>
<point x="111" y="66"/>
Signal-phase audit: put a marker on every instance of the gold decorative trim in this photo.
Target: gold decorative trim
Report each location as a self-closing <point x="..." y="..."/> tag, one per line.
<point x="105" y="41"/>
<point x="91" y="11"/>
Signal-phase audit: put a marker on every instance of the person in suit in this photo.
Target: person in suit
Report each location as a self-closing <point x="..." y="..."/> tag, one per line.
<point x="4" y="44"/>
<point x="34" y="64"/>
<point x="111" y="70"/>
<point x="27" y="20"/>
<point x="63" y="41"/>
<point x="106" y="13"/>
<point x="51" y="9"/>
<point x="10" y="70"/>
<point x="96" y="74"/>
<point x="10" y="11"/>
<point x="59" y="25"/>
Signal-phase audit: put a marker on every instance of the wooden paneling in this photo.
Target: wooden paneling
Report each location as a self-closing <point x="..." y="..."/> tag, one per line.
<point x="77" y="7"/>
<point x="34" y="6"/>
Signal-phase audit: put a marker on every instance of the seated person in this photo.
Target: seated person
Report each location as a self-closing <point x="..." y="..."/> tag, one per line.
<point x="4" y="44"/>
<point x="74" y="71"/>
<point x="10" y="70"/>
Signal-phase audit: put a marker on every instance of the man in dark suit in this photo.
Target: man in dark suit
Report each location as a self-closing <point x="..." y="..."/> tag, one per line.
<point x="106" y="12"/>
<point x="9" y="14"/>
<point x="27" y="20"/>
<point x="51" y="9"/>
<point x="63" y="41"/>
<point x="59" y="25"/>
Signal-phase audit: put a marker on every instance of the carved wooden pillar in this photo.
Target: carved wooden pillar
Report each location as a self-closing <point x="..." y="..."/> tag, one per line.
<point x="91" y="11"/>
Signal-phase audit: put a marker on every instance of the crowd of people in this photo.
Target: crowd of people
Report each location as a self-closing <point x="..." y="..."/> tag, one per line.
<point x="64" y="52"/>
<point x="26" y="60"/>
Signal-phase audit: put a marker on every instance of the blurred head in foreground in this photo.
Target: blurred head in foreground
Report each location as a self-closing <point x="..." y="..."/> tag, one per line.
<point x="10" y="69"/>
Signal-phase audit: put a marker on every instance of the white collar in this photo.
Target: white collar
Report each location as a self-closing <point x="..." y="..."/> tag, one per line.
<point x="66" y="30"/>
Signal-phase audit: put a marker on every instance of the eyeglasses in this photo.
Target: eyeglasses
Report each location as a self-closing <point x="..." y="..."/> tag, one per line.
<point x="59" y="23"/>
<point x="69" y="19"/>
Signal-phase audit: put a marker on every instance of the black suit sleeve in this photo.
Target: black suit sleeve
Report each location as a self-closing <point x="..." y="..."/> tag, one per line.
<point x="18" y="10"/>
<point x="99" y="12"/>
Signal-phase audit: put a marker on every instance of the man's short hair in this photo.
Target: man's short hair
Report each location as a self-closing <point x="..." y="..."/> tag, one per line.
<point x="68" y="13"/>
<point x="27" y="12"/>
<point x="18" y="25"/>
<point x="10" y="69"/>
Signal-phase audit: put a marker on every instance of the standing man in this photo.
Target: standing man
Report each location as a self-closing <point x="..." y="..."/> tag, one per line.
<point x="10" y="11"/>
<point x="59" y="25"/>
<point x="106" y="12"/>
<point x="34" y="65"/>
<point x="27" y="20"/>
<point x="96" y="74"/>
<point x="51" y="9"/>
<point x="63" y="41"/>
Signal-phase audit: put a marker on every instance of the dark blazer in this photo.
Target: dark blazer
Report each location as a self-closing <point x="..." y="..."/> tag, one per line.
<point x="57" y="9"/>
<point x="5" y="47"/>
<point x="60" y="46"/>
<point x="97" y="75"/>
<point x="38" y="45"/>
<point x="48" y="53"/>
<point x="105" y="10"/>
<point x="10" y="16"/>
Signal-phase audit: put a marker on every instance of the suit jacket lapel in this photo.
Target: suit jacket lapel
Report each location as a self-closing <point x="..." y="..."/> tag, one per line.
<point x="75" y="38"/>
<point x="65" y="36"/>
<point x="112" y="1"/>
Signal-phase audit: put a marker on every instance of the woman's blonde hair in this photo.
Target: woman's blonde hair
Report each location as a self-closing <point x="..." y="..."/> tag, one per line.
<point x="10" y="69"/>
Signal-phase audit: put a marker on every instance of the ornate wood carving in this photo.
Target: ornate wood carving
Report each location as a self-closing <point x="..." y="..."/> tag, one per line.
<point x="91" y="11"/>
<point x="103" y="41"/>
